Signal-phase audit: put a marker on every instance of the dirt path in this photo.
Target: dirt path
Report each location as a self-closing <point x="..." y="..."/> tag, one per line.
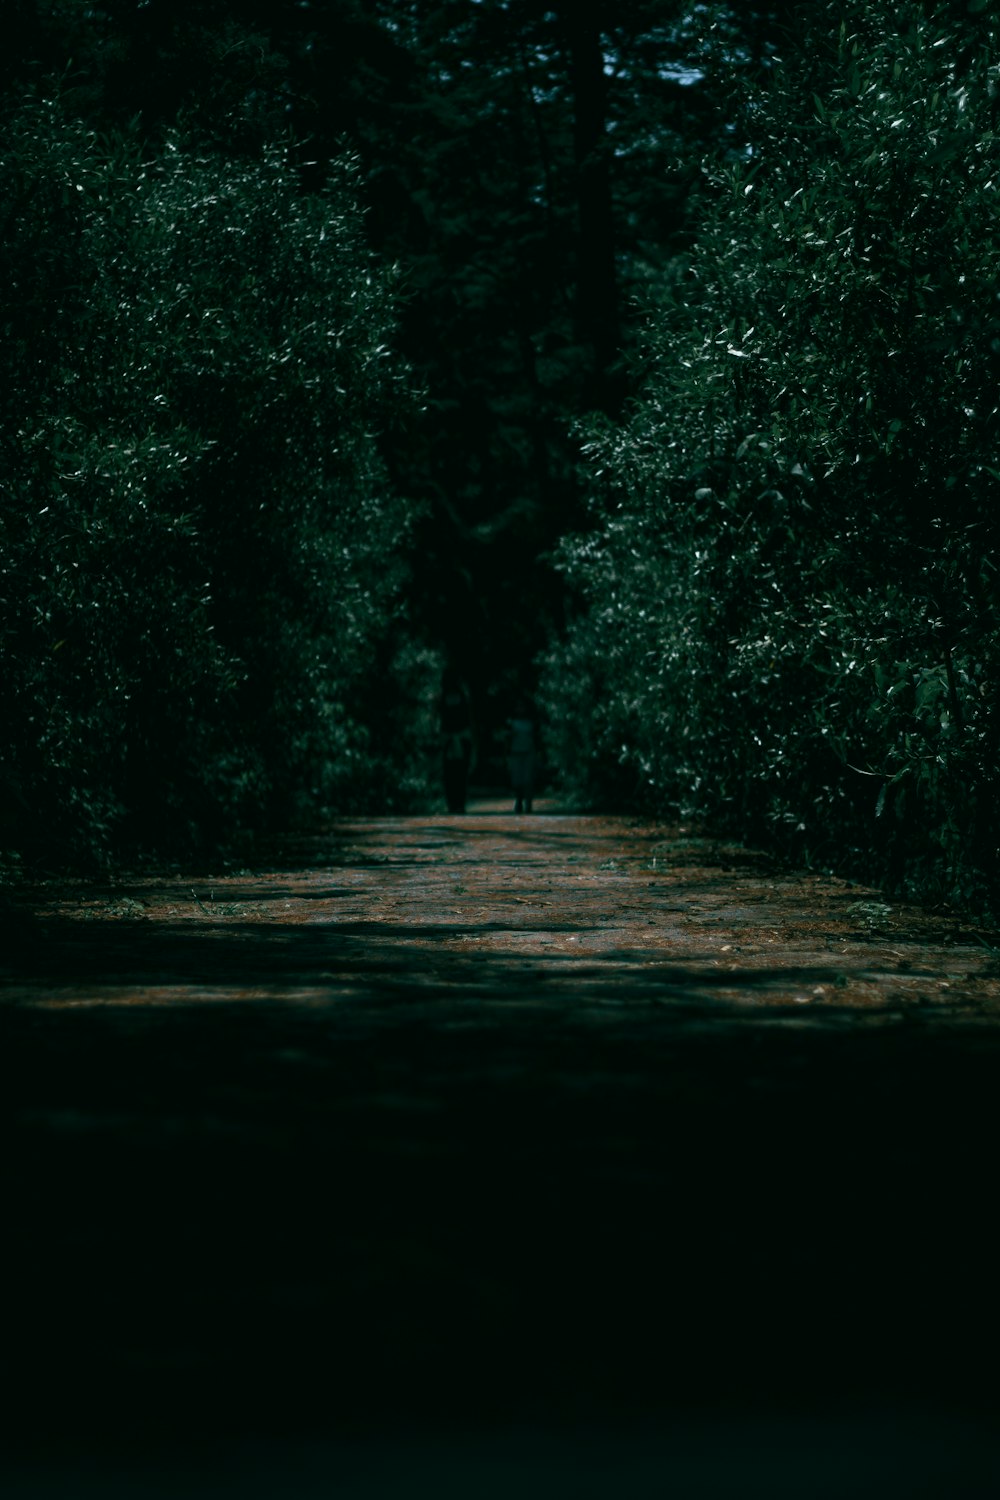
<point x="582" y="910"/>
<point x="495" y="1119"/>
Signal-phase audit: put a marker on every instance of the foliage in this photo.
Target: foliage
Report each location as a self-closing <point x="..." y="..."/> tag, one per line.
<point x="791" y="620"/>
<point x="468" y="119"/>
<point x="527" y="164"/>
<point x="200" y="549"/>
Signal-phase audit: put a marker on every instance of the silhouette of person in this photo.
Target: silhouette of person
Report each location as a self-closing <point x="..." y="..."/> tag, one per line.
<point x="523" y="754"/>
<point x="456" y="739"/>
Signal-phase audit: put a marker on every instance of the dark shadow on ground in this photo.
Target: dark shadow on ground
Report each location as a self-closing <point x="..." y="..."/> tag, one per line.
<point x="234" y="954"/>
<point x="377" y="1201"/>
<point x="336" y="1178"/>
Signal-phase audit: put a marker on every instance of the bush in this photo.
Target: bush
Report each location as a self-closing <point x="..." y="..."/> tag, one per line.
<point x="792" y="619"/>
<point x="202" y="556"/>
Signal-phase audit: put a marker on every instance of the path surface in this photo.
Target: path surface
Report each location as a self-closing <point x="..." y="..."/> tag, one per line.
<point x="494" y="1120"/>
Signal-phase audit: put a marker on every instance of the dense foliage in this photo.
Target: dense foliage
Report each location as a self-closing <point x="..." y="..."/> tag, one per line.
<point x="227" y="530"/>
<point x="529" y="164"/>
<point x="791" y="622"/>
<point x="201" y="563"/>
<point x="524" y="162"/>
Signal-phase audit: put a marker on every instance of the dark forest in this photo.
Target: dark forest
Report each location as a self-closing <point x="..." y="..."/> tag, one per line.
<point x="499" y="749"/>
<point x="640" y="356"/>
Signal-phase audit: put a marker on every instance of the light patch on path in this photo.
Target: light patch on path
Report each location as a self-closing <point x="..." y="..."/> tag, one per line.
<point x="551" y="908"/>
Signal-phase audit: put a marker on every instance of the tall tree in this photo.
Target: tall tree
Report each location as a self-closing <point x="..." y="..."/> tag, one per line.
<point x="596" y="281"/>
<point x="795" y="621"/>
<point x="528" y="166"/>
<point x="201" y="553"/>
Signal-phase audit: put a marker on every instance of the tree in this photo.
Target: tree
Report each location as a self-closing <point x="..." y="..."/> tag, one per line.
<point x="528" y="167"/>
<point x="202" y="553"/>
<point x="793" y="622"/>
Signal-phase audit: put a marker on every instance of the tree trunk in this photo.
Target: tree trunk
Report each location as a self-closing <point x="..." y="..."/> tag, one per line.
<point x="596" y="284"/>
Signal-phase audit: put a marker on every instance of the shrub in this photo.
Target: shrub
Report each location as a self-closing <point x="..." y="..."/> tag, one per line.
<point x="202" y="555"/>
<point x="791" y="596"/>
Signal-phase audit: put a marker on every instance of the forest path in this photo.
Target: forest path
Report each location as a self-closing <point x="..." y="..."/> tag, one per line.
<point x="495" y="1118"/>
<point x="543" y="909"/>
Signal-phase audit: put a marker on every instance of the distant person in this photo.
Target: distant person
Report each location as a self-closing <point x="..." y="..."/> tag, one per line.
<point x="523" y="754"/>
<point x="456" y="739"/>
